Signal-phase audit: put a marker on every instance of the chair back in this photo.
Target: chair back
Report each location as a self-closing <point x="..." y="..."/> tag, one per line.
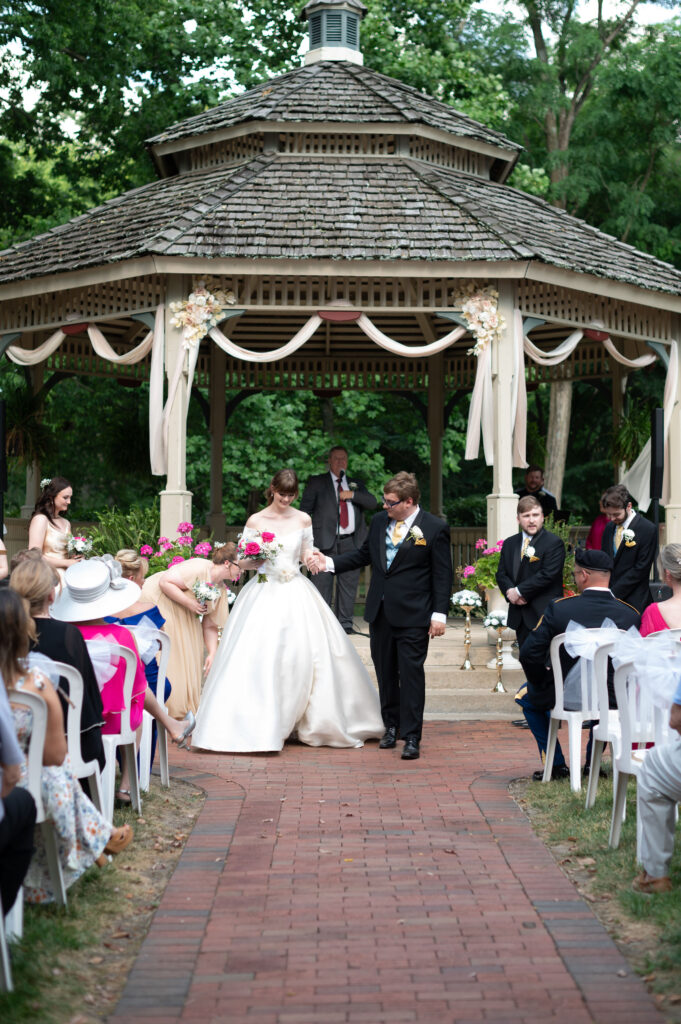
<point x="36" y="744"/>
<point x="666" y="632"/>
<point x="588" y="698"/>
<point x="73" y="677"/>
<point x="164" y="657"/>
<point x="601" y="664"/>
<point x="641" y="721"/>
<point x="129" y="658"/>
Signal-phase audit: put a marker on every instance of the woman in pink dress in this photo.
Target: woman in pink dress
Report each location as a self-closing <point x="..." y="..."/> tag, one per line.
<point x="666" y="614"/>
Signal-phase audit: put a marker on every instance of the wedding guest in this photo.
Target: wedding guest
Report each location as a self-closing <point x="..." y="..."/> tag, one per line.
<point x="84" y="836"/>
<point x="35" y="581"/>
<point x="171" y="592"/>
<point x="17" y="810"/>
<point x="631" y="541"/>
<point x="24" y="555"/>
<point x="595" y="535"/>
<point x="4" y="568"/>
<point x="49" y="531"/>
<point x="666" y="614"/>
<point x="534" y="487"/>
<point x="336" y="503"/>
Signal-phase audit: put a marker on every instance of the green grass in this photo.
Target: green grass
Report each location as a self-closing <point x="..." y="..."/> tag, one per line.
<point x="559" y="817"/>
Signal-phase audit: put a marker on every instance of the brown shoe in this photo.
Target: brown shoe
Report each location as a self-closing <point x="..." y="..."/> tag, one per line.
<point x="119" y="839"/>
<point x="648" y="885"/>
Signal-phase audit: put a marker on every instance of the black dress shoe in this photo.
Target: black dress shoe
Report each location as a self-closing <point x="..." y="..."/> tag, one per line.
<point x="520" y="723"/>
<point x="586" y="772"/>
<point x="389" y="738"/>
<point x="559" y="771"/>
<point x="411" y="750"/>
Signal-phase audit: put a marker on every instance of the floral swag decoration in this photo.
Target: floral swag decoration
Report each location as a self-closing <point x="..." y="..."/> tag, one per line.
<point x="200" y="312"/>
<point x="480" y="310"/>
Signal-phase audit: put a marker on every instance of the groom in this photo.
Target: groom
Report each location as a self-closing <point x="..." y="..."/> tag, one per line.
<point x="411" y="583"/>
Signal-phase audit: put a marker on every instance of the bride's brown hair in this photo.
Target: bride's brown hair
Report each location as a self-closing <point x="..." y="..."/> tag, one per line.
<point x="285" y="481"/>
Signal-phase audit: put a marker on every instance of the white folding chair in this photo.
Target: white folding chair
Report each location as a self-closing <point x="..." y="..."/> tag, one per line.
<point x="587" y="712"/>
<point x="147" y="723"/>
<point x="641" y="722"/>
<point x="607" y="729"/>
<point x="82" y="769"/>
<point x="125" y="739"/>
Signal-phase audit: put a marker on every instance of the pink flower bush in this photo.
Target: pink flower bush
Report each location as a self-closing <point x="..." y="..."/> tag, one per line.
<point x="480" y="543"/>
<point x="267" y="537"/>
<point x="203" y="549"/>
<point x="185" y="527"/>
<point x="146" y="550"/>
<point x="468" y="570"/>
<point x="163" y="540"/>
<point x="185" y="542"/>
<point x="175" y="561"/>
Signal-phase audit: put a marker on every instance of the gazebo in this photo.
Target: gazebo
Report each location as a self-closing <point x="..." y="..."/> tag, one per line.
<point x="331" y="229"/>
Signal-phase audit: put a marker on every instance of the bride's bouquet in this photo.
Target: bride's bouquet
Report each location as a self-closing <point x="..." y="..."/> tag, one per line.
<point x="259" y="545"/>
<point x="78" y="545"/>
<point x="205" y="592"/>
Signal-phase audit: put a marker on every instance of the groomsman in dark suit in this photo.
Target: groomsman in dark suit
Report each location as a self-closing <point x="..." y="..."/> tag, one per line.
<point x="336" y="504"/>
<point x="411" y="583"/>
<point x="631" y="541"/>
<point x="530" y="572"/>
<point x="594" y="603"/>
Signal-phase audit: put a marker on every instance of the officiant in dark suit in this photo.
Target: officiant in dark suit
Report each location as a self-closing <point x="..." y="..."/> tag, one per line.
<point x="411" y="583"/>
<point x="336" y="502"/>
<point x="530" y="572"/>
<point x="631" y="542"/>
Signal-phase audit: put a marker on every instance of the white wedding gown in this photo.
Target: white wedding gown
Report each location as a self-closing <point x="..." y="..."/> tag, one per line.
<point x="285" y="665"/>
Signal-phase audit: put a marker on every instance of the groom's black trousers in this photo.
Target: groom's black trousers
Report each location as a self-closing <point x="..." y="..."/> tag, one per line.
<point x="398" y="654"/>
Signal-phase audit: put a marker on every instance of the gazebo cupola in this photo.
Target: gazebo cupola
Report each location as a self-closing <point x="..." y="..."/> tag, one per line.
<point x="334" y="30"/>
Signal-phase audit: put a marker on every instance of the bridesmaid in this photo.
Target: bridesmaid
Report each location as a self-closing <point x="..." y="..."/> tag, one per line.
<point x="49" y="531"/>
<point x="171" y="591"/>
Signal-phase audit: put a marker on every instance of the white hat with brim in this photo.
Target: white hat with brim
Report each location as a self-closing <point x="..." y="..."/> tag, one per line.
<point x="93" y="589"/>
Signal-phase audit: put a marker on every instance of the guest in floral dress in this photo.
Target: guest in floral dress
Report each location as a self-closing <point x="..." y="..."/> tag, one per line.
<point x="84" y="837"/>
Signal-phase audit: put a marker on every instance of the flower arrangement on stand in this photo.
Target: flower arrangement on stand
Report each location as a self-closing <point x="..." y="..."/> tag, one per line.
<point x="483" y="573"/>
<point x="466" y="600"/>
<point x="498" y="620"/>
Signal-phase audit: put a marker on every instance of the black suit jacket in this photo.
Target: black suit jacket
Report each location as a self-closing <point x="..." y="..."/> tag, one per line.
<point x="419" y="581"/>
<point x="320" y="501"/>
<point x="588" y="609"/>
<point x="540" y="581"/>
<point x="630" y="577"/>
<point x="547" y="501"/>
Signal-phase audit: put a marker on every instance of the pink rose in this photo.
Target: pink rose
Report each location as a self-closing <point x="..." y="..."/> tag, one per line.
<point x="146" y="550"/>
<point x="267" y="537"/>
<point x="252" y="549"/>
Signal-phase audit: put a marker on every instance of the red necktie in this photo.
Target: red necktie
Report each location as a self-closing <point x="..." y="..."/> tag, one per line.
<point x="344" y="519"/>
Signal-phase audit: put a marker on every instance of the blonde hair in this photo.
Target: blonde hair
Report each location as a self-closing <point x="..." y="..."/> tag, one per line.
<point x="132" y="563"/>
<point x="670" y="561"/>
<point x="34" y="579"/>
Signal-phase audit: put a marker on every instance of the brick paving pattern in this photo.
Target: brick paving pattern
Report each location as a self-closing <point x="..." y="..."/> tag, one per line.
<point x="339" y="886"/>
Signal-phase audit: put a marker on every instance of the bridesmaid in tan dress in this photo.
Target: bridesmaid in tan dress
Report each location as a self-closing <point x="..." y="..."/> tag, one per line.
<point x="171" y="590"/>
<point x="49" y="531"/>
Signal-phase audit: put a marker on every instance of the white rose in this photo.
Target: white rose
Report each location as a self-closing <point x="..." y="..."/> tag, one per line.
<point x="529" y="552"/>
<point x="417" y="533"/>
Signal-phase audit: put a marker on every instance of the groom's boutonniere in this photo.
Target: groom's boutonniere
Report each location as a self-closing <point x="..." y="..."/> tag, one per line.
<point x="629" y="538"/>
<point x="529" y="553"/>
<point x="416" y="534"/>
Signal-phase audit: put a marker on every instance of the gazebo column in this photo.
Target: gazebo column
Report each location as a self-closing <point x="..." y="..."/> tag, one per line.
<point x="436" y="415"/>
<point x="502" y="502"/>
<point x="176" y="500"/>
<point x="673" y="507"/>
<point x="33" y="469"/>
<point x="218" y="370"/>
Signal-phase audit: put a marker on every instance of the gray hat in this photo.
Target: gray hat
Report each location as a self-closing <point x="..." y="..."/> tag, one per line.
<point x="599" y="561"/>
<point x="93" y="589"/>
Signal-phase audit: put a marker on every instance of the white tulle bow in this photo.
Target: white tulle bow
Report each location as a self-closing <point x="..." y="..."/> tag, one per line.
<point x="146" y="638"/>
<point x="582" y="642"/>
<point x="41" y="663"/>
<point x="103" y="661"/>
<point x="657" y="663"/>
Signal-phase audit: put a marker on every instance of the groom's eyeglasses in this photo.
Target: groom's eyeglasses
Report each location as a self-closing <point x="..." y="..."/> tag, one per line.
<point x="391" y="504"/>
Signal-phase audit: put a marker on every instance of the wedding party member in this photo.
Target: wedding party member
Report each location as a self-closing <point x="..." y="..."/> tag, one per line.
<point x="49" y="531"/>
<point x="658" y="791"/>
<point x="336" y="503"/>
<point x="84" y="836"/>
<point x="666" y="614"/>
<point x="631" y="541"/>
<point x="35" y="581"/>
<point x="411" y="583"/>
<point x="594" y="603"/>
<point x="171" y="591"/>
<point x="530" y="572"/>
<point x="284" y="665"/>
<point x="534" y="486"/>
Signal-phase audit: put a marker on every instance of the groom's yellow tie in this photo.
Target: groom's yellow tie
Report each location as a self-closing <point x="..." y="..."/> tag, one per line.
<point x="398" y="531"/>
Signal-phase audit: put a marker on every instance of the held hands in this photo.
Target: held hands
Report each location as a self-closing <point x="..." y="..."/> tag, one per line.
<point x="315" y="562"/>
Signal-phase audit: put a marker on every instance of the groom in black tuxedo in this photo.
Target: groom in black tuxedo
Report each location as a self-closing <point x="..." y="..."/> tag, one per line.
<point x="411" y="584"/>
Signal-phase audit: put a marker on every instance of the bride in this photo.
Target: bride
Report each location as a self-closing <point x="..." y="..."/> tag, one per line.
<point x="284" y="664"/>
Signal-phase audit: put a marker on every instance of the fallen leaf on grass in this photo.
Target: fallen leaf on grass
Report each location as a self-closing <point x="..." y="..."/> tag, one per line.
<point x="121" y="935"/>
<point x="584" y="861"/>
<point x="96" y="960"/>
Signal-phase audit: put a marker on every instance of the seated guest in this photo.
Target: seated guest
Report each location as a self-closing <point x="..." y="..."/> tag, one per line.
<point x="84" y="837"/>
<point x="631" y="542"/>
<point x="24" y="555"/>
<point x="35" y="580"/>
<point x="92" y="590"/>
<point x="594" y="603"/>
<point x="17" y="810"/>
<point x="666" y="614"/>
<point x="534" y="486"/>
<point x="658" y="792"/>
<point x="4" y="568"/>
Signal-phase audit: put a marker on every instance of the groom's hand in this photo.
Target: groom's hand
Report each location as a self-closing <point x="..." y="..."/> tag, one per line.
<point x="436" y="628"/>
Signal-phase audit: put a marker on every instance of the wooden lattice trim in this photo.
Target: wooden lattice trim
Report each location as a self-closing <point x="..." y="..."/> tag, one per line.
<point x="93" y="302"/>
<point x="575" y="309"/>
<point x="449" y="156"/>
<point x="227" y="151"/>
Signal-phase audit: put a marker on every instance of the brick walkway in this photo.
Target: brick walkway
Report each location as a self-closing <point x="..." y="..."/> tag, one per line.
<point x="325" y="886"/>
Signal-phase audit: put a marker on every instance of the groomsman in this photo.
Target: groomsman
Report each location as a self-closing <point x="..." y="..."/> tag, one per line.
<point x="530" y="570"/>
<point x="411" y="583"/>
<point x="336" y="504"/>
<point x="631" y="541"/>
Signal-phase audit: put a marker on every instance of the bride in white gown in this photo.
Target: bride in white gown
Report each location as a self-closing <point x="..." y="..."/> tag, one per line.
<point x="285" y="665"/>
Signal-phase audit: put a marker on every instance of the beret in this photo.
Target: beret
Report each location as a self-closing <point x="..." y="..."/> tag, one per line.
<point x="598" y="560"/>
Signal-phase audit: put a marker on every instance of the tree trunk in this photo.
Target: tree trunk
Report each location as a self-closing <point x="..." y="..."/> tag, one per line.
<point x="557" y="437"/>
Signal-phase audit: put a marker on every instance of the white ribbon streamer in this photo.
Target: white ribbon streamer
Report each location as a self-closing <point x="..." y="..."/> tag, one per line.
<point x="481" y="411"/>
<point x="105" y="351"/>
<point x="582" y="643"/>
<point x="413" y="351"/>
<point x="296" y="342"/>
<point x="146" y="638"/>
<point x="103" y="662"/>
<point x="42" y="663"/>
<point x="657" y="661"/>
<point x="33" y="356"/>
